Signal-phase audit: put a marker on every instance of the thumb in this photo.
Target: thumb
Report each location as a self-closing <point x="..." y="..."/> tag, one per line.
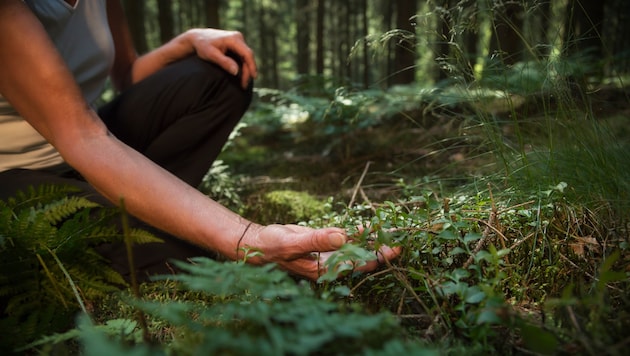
<point x="330" y="239"/>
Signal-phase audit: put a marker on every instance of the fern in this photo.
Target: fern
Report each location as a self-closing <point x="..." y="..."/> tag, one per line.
<point x="47" y="262"/>
<point x="233" y="308"/>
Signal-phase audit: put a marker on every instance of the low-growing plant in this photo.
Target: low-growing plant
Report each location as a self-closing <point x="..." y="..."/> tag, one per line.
<point x="48" y="266"/>
<point x="239" y="309"/>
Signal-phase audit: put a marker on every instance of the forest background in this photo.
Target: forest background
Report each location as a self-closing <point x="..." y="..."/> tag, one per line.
<point x="488" y="138"/>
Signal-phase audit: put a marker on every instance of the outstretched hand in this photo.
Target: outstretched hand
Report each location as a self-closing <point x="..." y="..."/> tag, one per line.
<point x="302" y="250"/>
<point x="213" y="45"/>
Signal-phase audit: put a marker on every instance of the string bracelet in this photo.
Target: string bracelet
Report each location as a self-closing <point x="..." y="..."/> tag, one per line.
<point x="238" y="245"/>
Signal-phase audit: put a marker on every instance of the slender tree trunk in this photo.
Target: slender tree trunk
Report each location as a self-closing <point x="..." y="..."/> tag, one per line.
<point x="405" y="50"/>
<point x="584" y="27"/>
<point x="543" y="15"/>
<point x="303" y="37"/>
<point x="389" y="65"/>
<point x="617" y="36"/>
<point x="265" y="55"/>
<point x="443" y="47"/>
<point x="366" y="54"/>
<point x="348" y="39"/>
<point x="506" y="43"/>
<point x="320" y="52"/>
<point x="165" y="19"/>
<point x="212" y="13"/>
<point x="470" y="39"/>
<point x="134" y="11"/>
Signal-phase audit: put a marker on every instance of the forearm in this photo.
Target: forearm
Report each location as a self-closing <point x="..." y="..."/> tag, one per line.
<point x="36" y="81"/>
<point x="155" y="196"/>
<point x="149" y="63"/>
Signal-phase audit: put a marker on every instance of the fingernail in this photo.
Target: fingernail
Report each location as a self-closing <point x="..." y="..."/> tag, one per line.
<point x="337" y="239"/>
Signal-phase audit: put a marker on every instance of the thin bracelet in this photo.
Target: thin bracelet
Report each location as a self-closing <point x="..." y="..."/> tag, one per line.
<point x="238" y="245"/>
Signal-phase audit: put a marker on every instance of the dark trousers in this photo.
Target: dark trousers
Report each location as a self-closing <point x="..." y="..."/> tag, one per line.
<point x="180" y="118"/>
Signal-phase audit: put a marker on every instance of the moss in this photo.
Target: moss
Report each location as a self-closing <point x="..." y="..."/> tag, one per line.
<point x="285" y="207"/>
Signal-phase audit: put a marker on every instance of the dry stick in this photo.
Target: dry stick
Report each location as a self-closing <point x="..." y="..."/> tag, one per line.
<point x="367" y="200"/>
<point x="486" y="232"/>
<point x="358" y="185"/>
<point x="485" y="235"/>
<point x="408" y="287"/>
<point x="134" y="280"/>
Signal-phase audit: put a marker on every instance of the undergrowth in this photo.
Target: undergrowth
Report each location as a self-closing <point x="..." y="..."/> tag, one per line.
<point x="507" y="192"/>
<point x="48" y="266"/>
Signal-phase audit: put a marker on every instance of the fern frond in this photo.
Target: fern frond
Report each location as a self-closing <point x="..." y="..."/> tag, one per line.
<point x="41" y="195"/>
<point x="59" y="210"/>
<point x="139" y="236"/>
<point x="48" y="267"/>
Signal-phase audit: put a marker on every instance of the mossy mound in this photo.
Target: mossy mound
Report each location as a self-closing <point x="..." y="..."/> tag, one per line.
<point x="284" y="207"/>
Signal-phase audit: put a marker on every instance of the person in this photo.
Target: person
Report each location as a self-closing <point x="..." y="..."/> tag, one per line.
<point x="152" y="144"/>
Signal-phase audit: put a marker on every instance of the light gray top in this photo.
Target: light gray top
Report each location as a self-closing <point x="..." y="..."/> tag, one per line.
<point x="82" y="37"/>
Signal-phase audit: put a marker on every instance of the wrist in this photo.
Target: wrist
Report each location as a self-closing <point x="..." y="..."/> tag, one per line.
<point x="248" y="245"/>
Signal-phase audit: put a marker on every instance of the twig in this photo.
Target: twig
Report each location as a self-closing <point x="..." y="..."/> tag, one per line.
<point x="481" y="243"/>
<point x="490" y="227"/>
<point x="358" y="185"/>
<point x="367" y="200"/>
<point x="132" y="269"/>
<point x="519" y="242"/>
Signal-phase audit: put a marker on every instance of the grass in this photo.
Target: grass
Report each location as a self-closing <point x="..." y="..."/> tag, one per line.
<point x="511" y="205"/>
<point x="534" y="261"/>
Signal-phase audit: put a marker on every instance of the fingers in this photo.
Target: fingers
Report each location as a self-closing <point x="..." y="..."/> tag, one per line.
<point x="385" y="254"/>
<point x="329" y="239"/>
<point x="305" y="251"/>
<point x="313" y="266"/>
<point x="217" y="56"/>
<point x="215" y="48"/>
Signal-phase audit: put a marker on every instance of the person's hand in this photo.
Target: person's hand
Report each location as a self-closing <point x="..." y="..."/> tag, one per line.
<point x="213" y="45"/>
<point x="302" y="250"/>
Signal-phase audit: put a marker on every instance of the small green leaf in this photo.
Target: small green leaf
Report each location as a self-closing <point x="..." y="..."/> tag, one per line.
<point x="474" y="295"/>
<point x="456" y="251"/>
<point x="447" y="235"/>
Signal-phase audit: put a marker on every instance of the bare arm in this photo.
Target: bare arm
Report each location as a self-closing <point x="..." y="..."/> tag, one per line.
<point x="34" y="78"/>
<point x="208" y="44"/>
<point x="36" y="81"/>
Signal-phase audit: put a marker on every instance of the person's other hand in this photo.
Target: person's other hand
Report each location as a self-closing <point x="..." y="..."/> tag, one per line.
<point x="302" y="250"/>
<point x="213" y="45"/>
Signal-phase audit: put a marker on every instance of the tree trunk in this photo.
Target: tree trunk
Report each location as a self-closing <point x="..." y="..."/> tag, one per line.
<point x="507" y="25"/>
<point x="320" y="51"/>
<point x="303" y="36"/>
<point x="212" y="13"/>
<point x="616" y="34"/>
<point x="405" y="50"/>
<point x="443" y="46"/>
<point x="584" y="27"/>
<point x="165" y="20"/>
<point x="134" y="10"/>
<point x="366" y="54"/>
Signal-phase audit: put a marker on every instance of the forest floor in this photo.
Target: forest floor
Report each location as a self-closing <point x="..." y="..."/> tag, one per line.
<point x="442" y="151"/>
<point x="439" y="149"/>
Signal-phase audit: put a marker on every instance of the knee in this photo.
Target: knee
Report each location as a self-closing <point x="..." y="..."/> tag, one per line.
<point x="211" y="84"/>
